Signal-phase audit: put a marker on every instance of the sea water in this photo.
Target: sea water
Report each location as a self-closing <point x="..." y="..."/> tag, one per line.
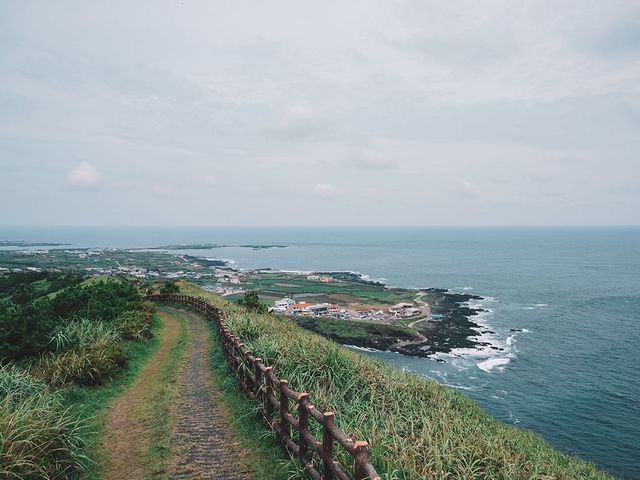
<point x="563" y="305"/>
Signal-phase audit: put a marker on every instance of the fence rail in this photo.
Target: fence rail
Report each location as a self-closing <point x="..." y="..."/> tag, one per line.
<point x="261" y="384"/>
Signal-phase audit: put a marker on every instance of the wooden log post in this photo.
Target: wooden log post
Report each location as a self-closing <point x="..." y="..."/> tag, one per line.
<point x="268" y="395"/>
<point x="285" y="430"/>
<point x="303" y="427"/>
<point x="327" y="447"/>
<point x="360" y="460"/>
<point x="258" y="373"/>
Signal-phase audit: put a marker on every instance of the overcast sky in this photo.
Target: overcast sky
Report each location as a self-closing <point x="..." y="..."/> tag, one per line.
<point x="319" y="113"/>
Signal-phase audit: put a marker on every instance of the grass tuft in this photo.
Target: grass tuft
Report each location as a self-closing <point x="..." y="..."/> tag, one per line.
<point x="39" y="438"/>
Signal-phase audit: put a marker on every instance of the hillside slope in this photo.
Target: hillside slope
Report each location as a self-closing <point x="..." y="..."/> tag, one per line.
<point x="417" y="428"/>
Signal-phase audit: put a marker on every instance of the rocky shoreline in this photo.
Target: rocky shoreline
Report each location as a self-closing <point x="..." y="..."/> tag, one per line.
<point x="455" y="329"/>
<point x="451" y="327"/>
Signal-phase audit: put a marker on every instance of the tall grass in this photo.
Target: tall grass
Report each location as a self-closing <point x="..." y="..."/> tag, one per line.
<point x="417" y="428"/>
<point x="38" y="437"/>
<point x="87" y="353"/>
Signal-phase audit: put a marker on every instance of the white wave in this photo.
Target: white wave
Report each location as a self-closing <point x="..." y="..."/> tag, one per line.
<point x="541" y="305"/>
<point x="461" y="387"/>
<point x="492" y="363"/>
<point x="363" y="349"/>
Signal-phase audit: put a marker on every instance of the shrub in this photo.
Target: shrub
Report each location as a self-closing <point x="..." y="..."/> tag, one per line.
<point x="252" y="302"/>
<point x="38" y="437"/>
<point x="134" y="325"/>
<point x="168" y="287"/>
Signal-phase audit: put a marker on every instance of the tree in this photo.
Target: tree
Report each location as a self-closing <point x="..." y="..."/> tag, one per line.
<point x="251" y="301"/>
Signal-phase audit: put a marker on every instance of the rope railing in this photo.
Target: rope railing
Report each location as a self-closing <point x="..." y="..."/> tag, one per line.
<point x="261" y="384"/>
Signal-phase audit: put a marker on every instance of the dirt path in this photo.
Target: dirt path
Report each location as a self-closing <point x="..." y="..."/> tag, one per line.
<point x="125" y="443"/>
<point x="202" y="443"/>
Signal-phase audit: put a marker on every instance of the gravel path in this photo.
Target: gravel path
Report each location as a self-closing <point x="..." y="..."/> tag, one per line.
<point x="203" y="447"/>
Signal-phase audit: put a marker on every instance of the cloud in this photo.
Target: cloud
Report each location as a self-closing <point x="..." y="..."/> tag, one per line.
<point x="369" y="160"/>
<point x="266" y="100"/>
<point x="324" y="190"/>
<point x="163" y="190"/>
<point x="84" y="175"/>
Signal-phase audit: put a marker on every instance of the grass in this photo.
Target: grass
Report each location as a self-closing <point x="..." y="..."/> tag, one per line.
<point x="156" y="410"/>
<point x="39" y="437"/>
<point x="87" y="353"/>
<point x="357" y="332"/>
<point x="266" y="458"/>
<point x="90" y="404"/>
<point x="417" y="428"/>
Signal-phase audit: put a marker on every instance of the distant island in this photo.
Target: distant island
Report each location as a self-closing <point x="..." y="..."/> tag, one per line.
<point x="25" y="244"/>
<point x="210" y="246"/>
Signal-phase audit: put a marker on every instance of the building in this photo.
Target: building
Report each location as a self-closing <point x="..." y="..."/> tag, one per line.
<point x="283" y="305"/>
<point x="398" y="309"/>
<point x="301" y="308"/>
<point x="411" y="312"/>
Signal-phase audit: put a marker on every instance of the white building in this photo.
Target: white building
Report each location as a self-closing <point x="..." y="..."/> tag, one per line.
<point x="283" y="305"/>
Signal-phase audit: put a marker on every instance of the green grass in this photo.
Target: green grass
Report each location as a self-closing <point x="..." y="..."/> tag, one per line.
<point x="345" y="330"/>
<point x="417" y="428"/>
<point x="266" y="458"/>
<point x="157" y="411"/>
<point x="90" y="404"/>
<point x="39" y="437"/>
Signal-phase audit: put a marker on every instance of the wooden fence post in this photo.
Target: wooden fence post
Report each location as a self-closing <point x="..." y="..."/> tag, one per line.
<point x="327" y="446"/>
<point x="360" y="459"/>
<point x="285" y="431"/>
<point x="258" y="373"/>
<point x="303" y="426"/>
<point x="269" y="395"/>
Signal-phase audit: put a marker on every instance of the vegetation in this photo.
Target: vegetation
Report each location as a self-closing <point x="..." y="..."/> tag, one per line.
<point x="89" y="404"/>
<point x="156" y="408"/>
<point x="169" y="287"/>
<point x="252" y="302"/>
<point x="265" y="454"/>
<point x="417" y="428"/>
<point x="360" y="333"/>
<point x="39" y="438"/>
<point x="77" y="337"/>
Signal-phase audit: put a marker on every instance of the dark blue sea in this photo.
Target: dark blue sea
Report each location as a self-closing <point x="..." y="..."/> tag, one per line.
<point x="572" y="370"/>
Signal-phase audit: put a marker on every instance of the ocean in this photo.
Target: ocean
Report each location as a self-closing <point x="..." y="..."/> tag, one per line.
<point x="563" y="303"/>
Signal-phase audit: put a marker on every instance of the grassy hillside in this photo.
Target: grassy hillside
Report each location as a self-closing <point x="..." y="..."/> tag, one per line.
<point x="417" y="428"/>
<point x="63" y="353"/>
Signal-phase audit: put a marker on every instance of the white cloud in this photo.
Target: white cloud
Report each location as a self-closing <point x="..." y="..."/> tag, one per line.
<point x="399" y="100"/>
<point x="84" y="175"/>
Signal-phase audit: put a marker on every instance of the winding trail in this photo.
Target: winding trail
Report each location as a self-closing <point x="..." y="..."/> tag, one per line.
<point x="202" y="443"/>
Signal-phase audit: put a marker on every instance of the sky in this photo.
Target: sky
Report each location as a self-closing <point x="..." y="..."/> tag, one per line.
<point x="320" y="113"/>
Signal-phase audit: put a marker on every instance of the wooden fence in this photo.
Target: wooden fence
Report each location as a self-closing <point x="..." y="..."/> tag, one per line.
<point x="275" y="397"/>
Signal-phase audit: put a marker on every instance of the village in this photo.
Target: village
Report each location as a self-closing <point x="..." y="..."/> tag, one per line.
<point x="288" y="306"/>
